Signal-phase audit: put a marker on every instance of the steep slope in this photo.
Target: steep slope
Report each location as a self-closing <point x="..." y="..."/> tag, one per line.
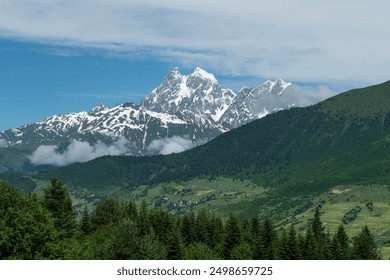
<point x="198" y="93"/>
<point x="344" y="139"/>
<point x="254" y="103"/>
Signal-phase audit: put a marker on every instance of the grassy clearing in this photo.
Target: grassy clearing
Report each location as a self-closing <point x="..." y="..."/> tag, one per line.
<point x="339" y="201"/>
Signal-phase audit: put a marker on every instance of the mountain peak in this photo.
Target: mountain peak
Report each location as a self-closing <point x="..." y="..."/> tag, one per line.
<point x="199" y="72"/>
<point x="100" y="107"/>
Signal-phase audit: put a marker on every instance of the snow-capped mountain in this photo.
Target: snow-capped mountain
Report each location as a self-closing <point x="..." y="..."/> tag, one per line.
<point x="138" y="125"/>
<point x="185" y="110"/>
<point x="198" y="93"/>
<point x="255" y="103"/>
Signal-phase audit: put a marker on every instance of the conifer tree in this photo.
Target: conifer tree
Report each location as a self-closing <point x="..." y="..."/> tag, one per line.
<point x="318" y="231"/>
<point x="317" y="226"/>
<point x="292" y="244"/>
<point x="108" y="211"/>
<point x="187" y="228"/>
<point x="200" y="251"/>
<point x="26" y="229"/>
<point x="132" y="211"/>
<point x="257" y="242"/>
<point x="364" y="246"/>
<point x="269" y="238"/>
<point x="175" y="248"/>
<point x="201" y="225"/>
<point x="242" y="251"/>
<point x="339" y="245"/>
<point x="57" y="200"/>
<point x="232" y="235"/>
<point x="283" y="246"/>
<point x="215" y="231"/>
<point x="85" y="223"/>
<point x="143" y="222"/>
<point x="161" y="223"/>
<point x="127" y="244"/>
<point x="311" y="246"/>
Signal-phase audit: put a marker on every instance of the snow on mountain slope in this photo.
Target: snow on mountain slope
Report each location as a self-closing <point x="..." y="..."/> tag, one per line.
<point x="254" y="103"/>
<point x="199" y="93"/>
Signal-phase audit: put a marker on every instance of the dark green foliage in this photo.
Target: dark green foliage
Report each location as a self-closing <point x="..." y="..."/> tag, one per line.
<point x="20" y="180"/>
<point x="85" y="223"/>
<point x="340" y="245"/>
<point x="293" y="252"/>
<point x="108" y="211"/>
<point x="132" y="211"/>
<point x="143" y="222"/>
<point x="200" y="251"/>
<point x="317" y="227"/>
<point x="128" y="244"/>
<point x="232" y="235"/>
<point x="201" y="225"/>
<point x="310" y="248"/>
<point x="364" y="246"/>
<point x="188" y="228"/>
<point x="269" y="238"/>
<point x="243" y="251"/>
<point x="27" y="230"/>
<point x="175" y="248"/>
<point x="57" y="201"/>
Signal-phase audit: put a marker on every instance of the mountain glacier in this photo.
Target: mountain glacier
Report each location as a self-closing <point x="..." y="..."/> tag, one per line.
<point x="185" y="110"/>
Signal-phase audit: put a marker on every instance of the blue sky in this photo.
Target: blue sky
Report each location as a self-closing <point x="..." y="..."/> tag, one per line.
<point x="66" y="56"/>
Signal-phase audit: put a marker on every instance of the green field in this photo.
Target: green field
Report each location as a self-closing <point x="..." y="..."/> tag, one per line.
<point x="336" y="203"/>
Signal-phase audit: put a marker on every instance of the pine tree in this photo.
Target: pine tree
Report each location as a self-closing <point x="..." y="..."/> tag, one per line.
<point x="283" y="246"/>
<point x="317" y="226"/>
<point x="340" y="245"/>
<point x="85" y="223"/>
<point x="175" y="248"/>
<point x="364" y="246"/>
<point x="319" y="235"/>
<point x="187" y="228"/>
<point x="201" y="225"/>
<point x="132" y="211"/>
<point x="215" y="231"/>
<point x="161" y="223"/>
<point x="292" y="244"/>
<point x="232" y="235"/>
<point x="269" y="238"/>
<point x="143" y="222"/>
<point x="257" y="242"/>
<point x="57" y="200"/>
<point x="311" y="246"/>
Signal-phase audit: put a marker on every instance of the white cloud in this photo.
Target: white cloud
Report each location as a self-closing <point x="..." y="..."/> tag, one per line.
<point x="170" y="145"/>
<point x="302" y="97"/>
<point x="77" y="151"/>
<point x="3" y="143"/>
<point x="297" y="40"/>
